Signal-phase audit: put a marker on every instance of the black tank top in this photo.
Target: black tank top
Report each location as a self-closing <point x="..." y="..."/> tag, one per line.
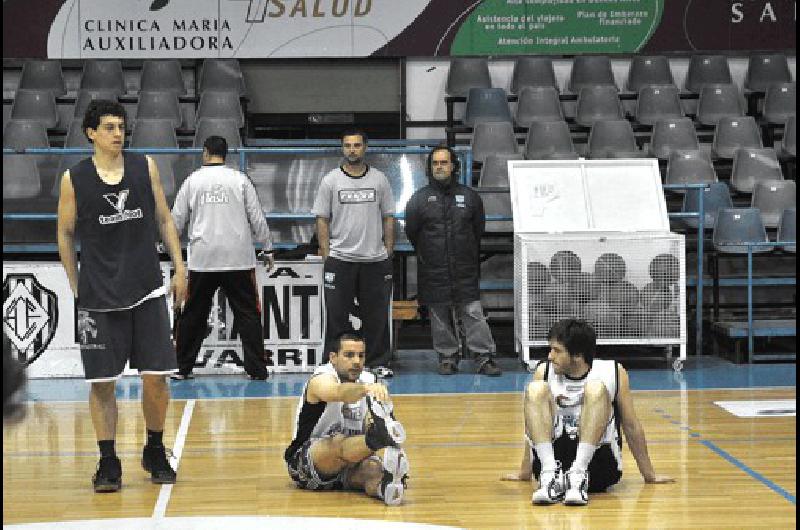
<point x="117" y="230"/>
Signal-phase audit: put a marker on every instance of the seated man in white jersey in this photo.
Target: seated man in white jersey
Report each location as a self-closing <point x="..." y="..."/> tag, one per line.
<point x="346" y="436"/>
<point x="574" y="409"/>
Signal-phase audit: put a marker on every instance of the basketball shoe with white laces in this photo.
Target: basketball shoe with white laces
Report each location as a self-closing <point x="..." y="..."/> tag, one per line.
<point x="395" y="474"/>
<point x="577" y="488"/>
<point x="551" y="487"/>
<point x="382" y="430"/>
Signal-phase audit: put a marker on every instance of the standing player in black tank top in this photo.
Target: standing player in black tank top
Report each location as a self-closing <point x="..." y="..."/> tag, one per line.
<point x="116" y="204"/>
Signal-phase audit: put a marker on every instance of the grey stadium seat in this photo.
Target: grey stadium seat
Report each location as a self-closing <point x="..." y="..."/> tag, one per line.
<point x="20" y="177"/>
<point x="497" y="203"/>
<point x="716" y="196"/>
<point x="717" y="102"/>
<point x="598" y="103"/>
<point x="538" y="103"/>
<point x="43" y="75"/>
<point x="673" y="135"/>
<point x="707" y="70"/>
<point x="222" y="74"/>
<point x="764" y="70"/>
<point x="225" y="105"/>
<point x="789" y="141"/>
<point x="780" y="102"/>
<point x="87" y="96"/>
<point x="751" y="165"/>
<point x="590" y="70"/>
<point x="494" y="172"/>
<point x="690" y="167"/>
<point x="466" y="73"/>
<point x="658" y="102"/>
<point x="103" y="75"/>
<point x="162" y="75"/>
<point x="159" y="105"/>
<point x="23" y="134"/>
<point x="158" y="133"/>
<point x="735" y="133"/>
<point x="647" y="71"/>
<point x="735" y="226"/>
<point x="772" y="197"/>
<point x="613" y="139"/>
<point x="38" y="105"/>
<point x="486" y="105"/>
<point x="75" y="138"/>
<point x="491" y="138"/>
<point x="787" y="229"/>
<point x="549" y="140"/>
<point x="533" y="72"/>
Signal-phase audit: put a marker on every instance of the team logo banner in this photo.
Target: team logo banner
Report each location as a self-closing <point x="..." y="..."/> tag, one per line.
<point x="46" y="329"/>
<point x="361" y="28"/>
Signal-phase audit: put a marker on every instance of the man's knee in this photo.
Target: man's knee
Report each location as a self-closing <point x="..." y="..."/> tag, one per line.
<point x="104" y="389"/>
<point x="538" y="391"/>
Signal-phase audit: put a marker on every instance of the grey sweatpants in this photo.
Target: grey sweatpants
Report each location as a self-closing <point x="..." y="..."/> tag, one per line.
<point x="476" y="329"/>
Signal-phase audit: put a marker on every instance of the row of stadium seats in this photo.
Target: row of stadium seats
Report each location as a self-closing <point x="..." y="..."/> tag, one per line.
<point x="162" y="75"/>
<point x="590" y="70"/>
<point x="616" y="139"/>
<point x="602" y="102"/>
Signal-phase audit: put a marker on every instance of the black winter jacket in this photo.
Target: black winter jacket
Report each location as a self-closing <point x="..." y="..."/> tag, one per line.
<point x="445" y="224"/>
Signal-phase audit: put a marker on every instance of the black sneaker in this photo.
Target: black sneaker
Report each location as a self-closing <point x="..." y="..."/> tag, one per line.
<point x="382" y="429"/>
<point x="108" y="477"/>
<point x="448" y="367"/>
<point x="181" y="377"/>
<point x="155" y="462"/>
<point x="488" y="367"/>
<point x="259" y="377"/>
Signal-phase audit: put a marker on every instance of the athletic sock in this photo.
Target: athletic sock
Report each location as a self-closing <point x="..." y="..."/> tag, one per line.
<point x="583" y="457"/>
<point x="107" y="448"/>
<point x="544" y="451"/>
<point x="155" y="438"/>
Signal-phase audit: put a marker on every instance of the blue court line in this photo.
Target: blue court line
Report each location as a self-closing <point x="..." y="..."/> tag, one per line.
<point x="733" y="460"/>
<point x="755" y="474"/>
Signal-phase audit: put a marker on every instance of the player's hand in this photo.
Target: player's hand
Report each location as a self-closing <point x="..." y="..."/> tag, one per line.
<point x="378" y="391"/>
<point x="179" y="287"/>
<point x="525" y="477"/>
<point x="660" y="479"/>
<point x="267" y="259"/>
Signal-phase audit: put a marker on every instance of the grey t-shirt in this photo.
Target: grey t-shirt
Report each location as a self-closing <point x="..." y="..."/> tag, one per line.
<point x="356" y="208"/>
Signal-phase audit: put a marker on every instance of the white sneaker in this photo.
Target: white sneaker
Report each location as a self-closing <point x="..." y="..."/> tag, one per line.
<point x="551" y="487"/>
<point x="577" y="488"/>
<point x="395" y="473"/>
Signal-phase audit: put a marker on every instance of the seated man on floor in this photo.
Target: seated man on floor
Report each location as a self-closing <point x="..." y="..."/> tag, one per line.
<point x="345" y="435"/>
<point x="573" y="412"/>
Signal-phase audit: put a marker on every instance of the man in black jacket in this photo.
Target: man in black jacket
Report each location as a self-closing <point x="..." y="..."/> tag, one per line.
<point x="444" y="223"/>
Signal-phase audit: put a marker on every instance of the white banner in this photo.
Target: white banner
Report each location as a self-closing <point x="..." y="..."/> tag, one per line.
<point x="39" y="318"/>
<point x="184" y="29"/>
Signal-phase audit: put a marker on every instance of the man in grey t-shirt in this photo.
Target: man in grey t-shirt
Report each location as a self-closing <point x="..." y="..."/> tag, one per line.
<point x="355" y="225"/>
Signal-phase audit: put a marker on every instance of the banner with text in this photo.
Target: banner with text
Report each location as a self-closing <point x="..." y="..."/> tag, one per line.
<point x="39" y="316"/>
<point x="360" y="28"/>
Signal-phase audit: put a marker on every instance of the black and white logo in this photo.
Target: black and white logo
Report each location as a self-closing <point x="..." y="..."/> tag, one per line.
<point x="30" y="315"/>
<point x="117" y="201"/>
<point x="357" y="196"/>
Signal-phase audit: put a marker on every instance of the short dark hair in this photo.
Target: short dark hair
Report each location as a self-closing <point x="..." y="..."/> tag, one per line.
<point x="216" y="146"/>
<point x="348" y="335"/>
<point x="354" y="132"/>
<point x="453" y="158"/>
<point x="577" y="336"/>
<point x="97" y="109"/>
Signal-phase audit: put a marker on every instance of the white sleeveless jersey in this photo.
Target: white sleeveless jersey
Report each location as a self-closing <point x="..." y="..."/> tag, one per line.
<point x="568" y="395"/>
<point x="318" y="420"/>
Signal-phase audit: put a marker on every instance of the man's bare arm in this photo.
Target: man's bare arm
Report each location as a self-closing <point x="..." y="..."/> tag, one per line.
<point x="65" y="231"/>
<point x="324" y="236"/>
<point x="326" y="388"/>
<point x="169" y="234"/>
<point x="388" y="234"/>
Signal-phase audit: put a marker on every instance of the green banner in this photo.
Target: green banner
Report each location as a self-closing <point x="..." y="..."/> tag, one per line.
<point x="555" y="27"/>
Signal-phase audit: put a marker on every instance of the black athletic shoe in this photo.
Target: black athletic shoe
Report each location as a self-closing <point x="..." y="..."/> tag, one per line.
<point x="259" y="377"/>
<point x="181" y="377"/>
<point x="155" y="462"/>
<point x="488" y="367"/>
<point x="108" y="477"/>
<point x="382" y="429"/>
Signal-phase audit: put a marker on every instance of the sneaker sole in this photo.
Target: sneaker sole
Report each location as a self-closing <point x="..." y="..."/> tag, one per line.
<point x="544" y="502"/>
<point x="575" y="502"/>
<point x="395" y="463"/>
<point x="107" y="488"/>
<point x="384" y="411"/>
<point x="156" y="480"/>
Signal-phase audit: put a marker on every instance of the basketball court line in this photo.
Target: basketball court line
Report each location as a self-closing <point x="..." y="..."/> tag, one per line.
<point x="729" y="457"/>
<point x="160" y="508"/>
